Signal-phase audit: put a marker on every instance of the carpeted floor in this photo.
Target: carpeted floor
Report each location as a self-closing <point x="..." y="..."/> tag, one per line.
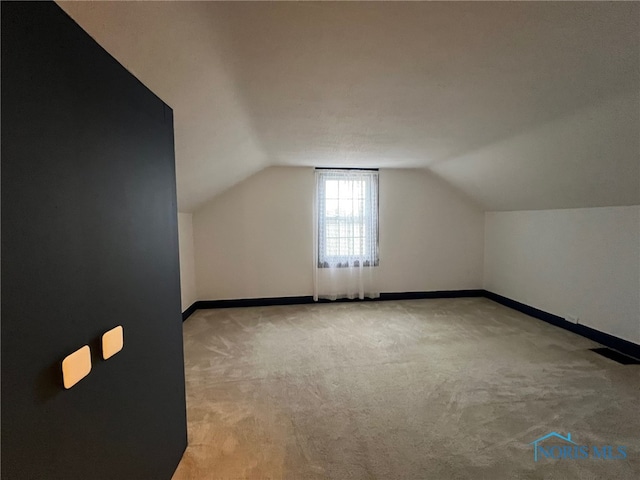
<point x="418" y="389"/>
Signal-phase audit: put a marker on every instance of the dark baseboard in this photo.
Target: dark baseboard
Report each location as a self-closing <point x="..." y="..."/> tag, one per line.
<point x="623" y="346"/>
<point x="187" y="313"/>
<point x="434" y="294"/>
<point x="307" y="299"/>
<point x="531" y="311"/>
<point x="254" y="302"/>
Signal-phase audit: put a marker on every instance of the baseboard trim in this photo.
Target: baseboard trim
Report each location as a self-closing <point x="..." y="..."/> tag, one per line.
<point x="189" y="311"/>
<point x="623" y="346"/>
<point x="307" y="299"/>
<point x="433" y="294"/>
<point x="254" y="302"/>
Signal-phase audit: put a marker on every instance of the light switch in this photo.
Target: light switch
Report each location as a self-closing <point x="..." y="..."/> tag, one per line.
<point x="76" y="366"/>
<point x="112" y="342"/>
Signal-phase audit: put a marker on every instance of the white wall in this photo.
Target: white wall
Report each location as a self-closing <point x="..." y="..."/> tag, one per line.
<point x="578" y="262"/>
<point x="431" y="238"/>
<point x="187" y="264"/>
<point x="256" y="239"/>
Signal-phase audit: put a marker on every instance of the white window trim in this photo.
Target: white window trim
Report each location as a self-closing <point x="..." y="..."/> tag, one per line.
<point x="370" y="219"/>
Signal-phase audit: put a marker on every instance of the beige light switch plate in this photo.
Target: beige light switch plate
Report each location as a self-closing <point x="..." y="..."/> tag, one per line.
<point x="76" y="366"/>
<point x="112" y="342"/>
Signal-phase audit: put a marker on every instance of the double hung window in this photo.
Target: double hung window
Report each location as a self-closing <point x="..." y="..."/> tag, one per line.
<point x="347" y="202"/>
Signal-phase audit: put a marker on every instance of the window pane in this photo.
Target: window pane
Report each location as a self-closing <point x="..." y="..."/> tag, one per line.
<point x="332" y="229"/>
<point x="358" y="246"/>
<point x="332" y="246"/>
<point x="331" y="208"/>
<point x="344" y="246"/>
<point x="331" y="190"/>
<point x="346" y="207"/>
<point x="344" y="189"/>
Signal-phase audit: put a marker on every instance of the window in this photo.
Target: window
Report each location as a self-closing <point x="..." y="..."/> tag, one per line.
<point x="347" y="202"/>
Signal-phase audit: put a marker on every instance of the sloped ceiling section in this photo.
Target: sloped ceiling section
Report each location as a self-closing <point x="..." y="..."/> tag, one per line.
<point x="518" y="105"/>
<point x="174" y="49"/>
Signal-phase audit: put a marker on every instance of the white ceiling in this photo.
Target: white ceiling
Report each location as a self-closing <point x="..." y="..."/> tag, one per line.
<point x="518" y="105"/>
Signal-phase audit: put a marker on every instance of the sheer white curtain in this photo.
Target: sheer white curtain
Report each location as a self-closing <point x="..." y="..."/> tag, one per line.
<point x="346" y="234"/>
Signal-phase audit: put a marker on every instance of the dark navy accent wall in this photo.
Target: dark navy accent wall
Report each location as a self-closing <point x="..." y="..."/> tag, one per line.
<point x="89" y="241"/>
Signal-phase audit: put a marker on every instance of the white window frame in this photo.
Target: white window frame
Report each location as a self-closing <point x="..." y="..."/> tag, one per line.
<point x="370" y="220"/>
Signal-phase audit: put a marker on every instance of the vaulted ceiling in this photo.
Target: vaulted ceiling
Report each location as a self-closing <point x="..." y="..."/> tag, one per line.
<point x="518" y="105"/>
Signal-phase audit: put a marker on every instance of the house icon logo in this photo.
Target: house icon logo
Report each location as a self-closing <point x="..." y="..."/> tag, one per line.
<point x="535" y="443"/>
<point x="563" y="447"/>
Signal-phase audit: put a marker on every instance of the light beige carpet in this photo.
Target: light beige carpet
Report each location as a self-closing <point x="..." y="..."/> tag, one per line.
<point x="419" y="389"/>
